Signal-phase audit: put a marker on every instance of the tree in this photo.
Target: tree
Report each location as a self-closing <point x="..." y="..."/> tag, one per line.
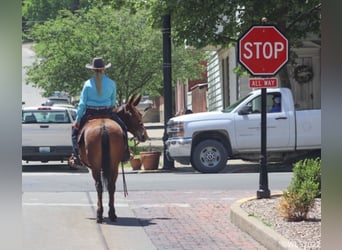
<point x="39" y="11"/>
<point x="221" y="22"/>
<point x="64" y="45"/>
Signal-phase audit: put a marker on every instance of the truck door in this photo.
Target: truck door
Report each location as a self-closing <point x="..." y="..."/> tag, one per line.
<point x="248" y="127"/>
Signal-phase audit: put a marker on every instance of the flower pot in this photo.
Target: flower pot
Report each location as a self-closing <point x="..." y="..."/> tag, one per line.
<point x="150" y="159"/>
<point x="136" y="163"/>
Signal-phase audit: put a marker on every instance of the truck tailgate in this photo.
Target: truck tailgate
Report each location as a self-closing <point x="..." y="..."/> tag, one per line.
<point x="46" y="134"/>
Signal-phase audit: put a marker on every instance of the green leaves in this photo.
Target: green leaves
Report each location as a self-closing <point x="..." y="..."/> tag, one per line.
<point x="64" y="45"/>
<point x="305" y="186"/>
<point x="219" y="22"/>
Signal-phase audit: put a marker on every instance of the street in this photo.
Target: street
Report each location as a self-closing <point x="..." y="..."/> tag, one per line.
<point x="182" y="209"/>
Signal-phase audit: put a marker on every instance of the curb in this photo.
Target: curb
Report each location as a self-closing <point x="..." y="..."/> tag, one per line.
<point x="254" y="227"/>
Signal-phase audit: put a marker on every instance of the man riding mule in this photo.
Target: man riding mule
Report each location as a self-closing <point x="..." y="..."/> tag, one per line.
<point x="97" y="99"/>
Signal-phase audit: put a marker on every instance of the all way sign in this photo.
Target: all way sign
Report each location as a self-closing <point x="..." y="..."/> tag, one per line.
<point x="263" y="82"/>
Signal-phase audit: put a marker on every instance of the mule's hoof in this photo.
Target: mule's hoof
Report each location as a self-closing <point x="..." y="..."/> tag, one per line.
<point x="112" y="217"/>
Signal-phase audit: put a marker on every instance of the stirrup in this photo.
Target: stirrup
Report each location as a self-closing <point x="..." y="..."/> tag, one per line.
<point x="75" y="162"/>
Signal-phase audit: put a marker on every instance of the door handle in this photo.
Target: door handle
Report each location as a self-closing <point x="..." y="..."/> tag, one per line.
<point x="44" y="126"/>
<point x="281" y="118"/>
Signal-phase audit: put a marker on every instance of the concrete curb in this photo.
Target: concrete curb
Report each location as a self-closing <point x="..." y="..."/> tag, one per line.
<point x="254" y="227"/>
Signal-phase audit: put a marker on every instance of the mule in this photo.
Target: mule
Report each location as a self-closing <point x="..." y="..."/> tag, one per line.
<point x="102" y="148"/>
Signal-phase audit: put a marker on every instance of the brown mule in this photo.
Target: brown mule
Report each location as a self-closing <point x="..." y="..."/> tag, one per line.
<point x="102" y="148"/>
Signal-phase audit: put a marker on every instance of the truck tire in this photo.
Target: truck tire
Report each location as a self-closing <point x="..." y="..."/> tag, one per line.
<point x="209" y="156"/>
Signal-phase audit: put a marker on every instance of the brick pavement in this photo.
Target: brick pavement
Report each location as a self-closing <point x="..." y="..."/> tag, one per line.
<point x="191" y="220"/>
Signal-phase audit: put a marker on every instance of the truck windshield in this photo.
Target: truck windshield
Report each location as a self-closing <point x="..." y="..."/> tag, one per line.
<point x="234" y="105"/>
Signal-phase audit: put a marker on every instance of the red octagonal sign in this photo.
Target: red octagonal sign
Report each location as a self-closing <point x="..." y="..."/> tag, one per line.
<point x="263" y="50"/>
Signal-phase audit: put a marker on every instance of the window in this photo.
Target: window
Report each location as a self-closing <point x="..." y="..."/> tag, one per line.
<point x="271" y="106"/>
<point x="45" y="116"/>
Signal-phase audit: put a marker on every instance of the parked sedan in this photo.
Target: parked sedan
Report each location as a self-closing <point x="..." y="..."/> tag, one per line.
<point x="46" y="133"/>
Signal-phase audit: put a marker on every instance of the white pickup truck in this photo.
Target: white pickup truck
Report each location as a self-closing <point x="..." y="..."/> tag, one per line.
<point x="46" y="133"/>
<point x="207" y="140"/>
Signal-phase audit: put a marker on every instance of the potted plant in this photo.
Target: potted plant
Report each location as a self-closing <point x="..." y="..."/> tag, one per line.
<point x="150" y="159"/>
<point x="135" y="159"/>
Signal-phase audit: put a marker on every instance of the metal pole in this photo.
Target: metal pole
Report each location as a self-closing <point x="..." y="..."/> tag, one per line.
<point x="263" y="191"/>
<point x="168" y="164"/>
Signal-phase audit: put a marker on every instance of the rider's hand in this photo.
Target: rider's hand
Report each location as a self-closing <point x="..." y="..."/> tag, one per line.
<point x="76" y="125"/>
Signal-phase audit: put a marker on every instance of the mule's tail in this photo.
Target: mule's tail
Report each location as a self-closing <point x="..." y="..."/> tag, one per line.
<point x="105" y="154"/>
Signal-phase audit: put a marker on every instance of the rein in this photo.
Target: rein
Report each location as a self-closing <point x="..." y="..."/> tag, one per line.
<point x="124" y="180"/>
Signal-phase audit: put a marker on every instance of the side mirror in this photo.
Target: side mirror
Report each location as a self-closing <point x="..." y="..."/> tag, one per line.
<point x="245" y="110"/>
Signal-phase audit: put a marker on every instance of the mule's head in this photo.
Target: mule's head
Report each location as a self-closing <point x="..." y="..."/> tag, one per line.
<point x="131" y="116"/>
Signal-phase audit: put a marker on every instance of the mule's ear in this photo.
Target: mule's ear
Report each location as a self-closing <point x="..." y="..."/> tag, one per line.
<point x="136" y="100"/>
<point x="130" y="99"/>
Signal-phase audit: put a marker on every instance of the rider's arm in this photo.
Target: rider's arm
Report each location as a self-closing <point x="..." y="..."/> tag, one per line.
<point x="82" y="103"/>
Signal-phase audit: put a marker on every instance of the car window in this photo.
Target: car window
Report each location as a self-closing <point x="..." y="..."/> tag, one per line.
<point x="45" y="116"/>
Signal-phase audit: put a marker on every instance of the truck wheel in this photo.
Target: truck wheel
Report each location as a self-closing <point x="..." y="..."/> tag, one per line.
<point x="209" y="156"/>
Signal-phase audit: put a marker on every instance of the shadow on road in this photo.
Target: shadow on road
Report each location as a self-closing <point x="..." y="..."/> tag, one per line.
<point x="51" y="168"/>
<point x="129" y="221"/>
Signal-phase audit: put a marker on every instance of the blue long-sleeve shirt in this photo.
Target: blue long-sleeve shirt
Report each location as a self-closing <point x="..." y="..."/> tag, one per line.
<point x="89" y="96"/>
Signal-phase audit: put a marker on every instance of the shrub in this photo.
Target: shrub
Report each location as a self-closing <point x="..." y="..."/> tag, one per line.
<point x="305" y="186"/>
<point x="134" y="148"/>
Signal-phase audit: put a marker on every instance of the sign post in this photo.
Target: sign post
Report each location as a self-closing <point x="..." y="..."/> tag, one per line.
<point x="263" y="51"/>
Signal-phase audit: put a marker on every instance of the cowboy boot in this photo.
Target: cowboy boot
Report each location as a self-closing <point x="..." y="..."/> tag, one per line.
<point x="75" y="156"/>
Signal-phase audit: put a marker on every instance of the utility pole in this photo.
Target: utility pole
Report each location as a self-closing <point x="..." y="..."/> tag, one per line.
<point x="168" y="164"/>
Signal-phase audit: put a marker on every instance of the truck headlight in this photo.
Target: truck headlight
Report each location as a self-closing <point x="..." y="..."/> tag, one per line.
<point x="175" y="129"/>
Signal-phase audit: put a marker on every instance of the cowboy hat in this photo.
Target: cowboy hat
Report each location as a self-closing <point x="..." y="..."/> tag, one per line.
<point x="98" y="63"/>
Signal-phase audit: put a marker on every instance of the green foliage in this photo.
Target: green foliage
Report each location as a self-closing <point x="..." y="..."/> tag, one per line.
<point x="305" y="186"/>
<point x="65" y="44"/>
<point x="134" y="148"/>
<point x="307" y="176"/>
<point x="219" y="22"/>
<point x="39" y="11"/>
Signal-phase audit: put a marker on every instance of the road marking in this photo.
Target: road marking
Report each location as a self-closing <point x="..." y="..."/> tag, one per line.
<point x="68" y="204"/>
<point x="50" y="174"/>
<point x="157" y="205"/>
<point x="163" y="205"/>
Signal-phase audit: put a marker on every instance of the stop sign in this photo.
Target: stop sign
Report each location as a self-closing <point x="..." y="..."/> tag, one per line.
<point x="263" y="50"/>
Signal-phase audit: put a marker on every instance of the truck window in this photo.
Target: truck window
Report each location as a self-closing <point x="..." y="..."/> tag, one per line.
<point x="274" y="102"/>
<point x="40" y="116"/>
<point x="234" y="105"/>
<point x="255" y="104"/>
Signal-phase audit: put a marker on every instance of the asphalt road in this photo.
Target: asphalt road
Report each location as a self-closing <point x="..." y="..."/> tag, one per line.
<point x="59" y="208"/>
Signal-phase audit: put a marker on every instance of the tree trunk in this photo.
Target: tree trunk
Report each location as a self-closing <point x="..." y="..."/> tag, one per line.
<point x="284" y="78"/>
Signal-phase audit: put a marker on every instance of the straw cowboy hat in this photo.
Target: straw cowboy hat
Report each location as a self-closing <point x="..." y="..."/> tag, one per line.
<point x="98" y="63"/>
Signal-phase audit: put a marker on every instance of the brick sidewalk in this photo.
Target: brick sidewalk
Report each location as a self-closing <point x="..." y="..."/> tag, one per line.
<point x="191" y="220"/>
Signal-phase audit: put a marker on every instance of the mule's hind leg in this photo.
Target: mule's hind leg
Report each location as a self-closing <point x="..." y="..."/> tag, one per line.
<point x="99" y="189"/>
<point x="111" y="190"/>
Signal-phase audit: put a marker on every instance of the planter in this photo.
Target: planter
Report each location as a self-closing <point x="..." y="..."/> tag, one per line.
<point x="150" y="159"/>
<point x="136" y="163"/>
